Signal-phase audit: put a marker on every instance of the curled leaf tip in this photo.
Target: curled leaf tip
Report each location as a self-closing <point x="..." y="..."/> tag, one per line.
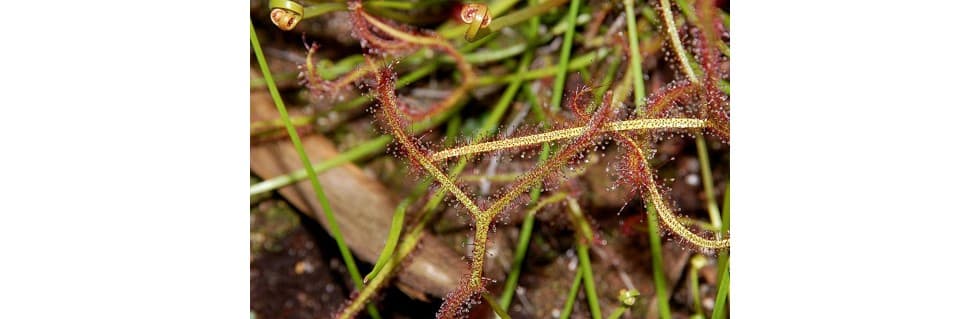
<point x="475" y="12"/>
<point x="477" y="17"/>
<point x="285" y="14"/>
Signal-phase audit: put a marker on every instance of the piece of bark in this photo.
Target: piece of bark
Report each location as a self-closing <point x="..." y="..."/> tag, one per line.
<point x="362" y="206"/>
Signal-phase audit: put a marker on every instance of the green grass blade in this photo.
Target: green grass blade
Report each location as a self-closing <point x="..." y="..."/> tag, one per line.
<point x="687" y="10"/>
<point x="617" y="313"/>
<point x="639" y="94"/>
<point x="606" y="83"/>
<point x="360" y="151"/>
<point x="696" y="263"/>
<point x="317" y="10"/>
<point x="532" y="10"/>
<point x="578" y="62"/>
<point x="724" y="229"/>
<point x="663" y="301"/>
<point x="585" y="235"/>
<point x="392" y="239"/>
<point x="314" y="181"/>
<point x="725" y="225"/>
<point x="561" y="77"/>
<point x="707" y="175"/>
<point x="588" y="284"/>
<point x="519" y="254"/>
<point x="724" y="258"/>
<point x="628" y="298"/>
<point x="496" y="307"/>
<point x="719" y="306"/>
<point x="572" y="295"/>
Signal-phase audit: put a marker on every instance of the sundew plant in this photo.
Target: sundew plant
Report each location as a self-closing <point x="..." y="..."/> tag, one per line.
<point x="581" y="80"/>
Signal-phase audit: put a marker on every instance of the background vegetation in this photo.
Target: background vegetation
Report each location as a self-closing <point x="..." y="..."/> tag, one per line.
<point x="604" y="201"/>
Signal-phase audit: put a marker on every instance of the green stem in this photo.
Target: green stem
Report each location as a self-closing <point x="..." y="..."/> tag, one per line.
<point x="314" y="181"/>
<point x="561" y="27"/>
<point x="659" y="281"/>
<point x="588" y="283"/>
<point x="322" y="8"/>
<point x="607" y="81"/>
<point x="726" y="210"/>
<point x="726" y="19"/>
<point x="482" y="57"/>
<point x="649" y="15"/>
<point x="508" y="96"/>
<point x="258" y="82"/>
<point x="509" y="288"/>
<point x="343" y="66"/>
<point x="533" y="37"/>
<point x="524" y="14"/>
<point x="724" y="257"/>
<point x="617" y="313"/>
<point x="687" y="10"/>
<point x="319" y="9"/>
<point x="696" y="263"/>
<point x="561" y="76"/>
<point x="575" y="63"/>
<point x="585" y="235"/>
<point x="404" y="5"/>
<point x="360" y="151"/>
<point x="707" y="174"/>
<point x="719" y="306"/>
<point x="572" y="295"/>
<point x="535" y="108"/>
<point x="496" y="307"/>
<point x="639" y="93"/>
<point x="396" y="225"/>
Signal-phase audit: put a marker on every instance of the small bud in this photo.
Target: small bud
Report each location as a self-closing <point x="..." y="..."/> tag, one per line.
<point x="628" y="298"/>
